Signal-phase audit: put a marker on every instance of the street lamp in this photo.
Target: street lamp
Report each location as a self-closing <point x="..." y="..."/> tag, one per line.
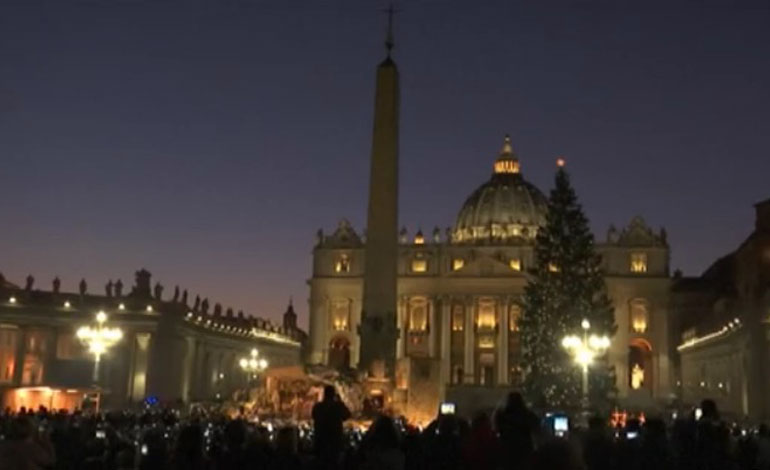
<point x="99" y="339"/>
<point x="584" y="350"/>
<point x="253" y="364"/>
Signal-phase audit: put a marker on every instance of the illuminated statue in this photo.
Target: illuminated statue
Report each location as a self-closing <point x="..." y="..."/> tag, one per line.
<point x="637" y="377"/>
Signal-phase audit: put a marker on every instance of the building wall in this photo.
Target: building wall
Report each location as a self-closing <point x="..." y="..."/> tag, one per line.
<point x="458" y="303"/>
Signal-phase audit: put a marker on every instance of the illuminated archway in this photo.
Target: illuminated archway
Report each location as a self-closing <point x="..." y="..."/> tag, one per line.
<point x="640" y="370"/>
<point x="339" y="353"/>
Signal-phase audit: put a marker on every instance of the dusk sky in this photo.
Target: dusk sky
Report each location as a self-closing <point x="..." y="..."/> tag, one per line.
<point x="207" y="141"/>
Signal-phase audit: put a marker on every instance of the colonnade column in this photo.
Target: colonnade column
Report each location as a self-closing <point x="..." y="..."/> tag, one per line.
<point x="503" y="307"/>
<point x="470" y="343"/>
<point x="21" y="351"/>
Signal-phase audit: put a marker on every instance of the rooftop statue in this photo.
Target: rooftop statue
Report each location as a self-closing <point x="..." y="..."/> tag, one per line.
<point x="184" y="297"/>
<point x="108" y="288"/>
<point x="30" y="283"/>
<point x="205" y="306"/>
<point x="158" y="291"/>
<point x="197" y="303"/>
<point x="217" y="309"/>
<point x="118" y="288"/>
<point x="83" y="287"/>
<point x="175" y="299"/>
<point x="56" y="285"/>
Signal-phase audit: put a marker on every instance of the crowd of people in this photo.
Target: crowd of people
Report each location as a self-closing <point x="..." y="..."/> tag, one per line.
<point x="513" y="437"/>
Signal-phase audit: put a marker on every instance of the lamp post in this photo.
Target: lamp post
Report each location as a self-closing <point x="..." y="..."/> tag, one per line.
<point x="584" y="350"/>
<point x="99" y="339"/>
<point x="253" y="364"/>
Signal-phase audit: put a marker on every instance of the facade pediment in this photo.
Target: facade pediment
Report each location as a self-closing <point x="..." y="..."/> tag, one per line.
<point x="637" y="233"/>
<point x="480" y="265"/>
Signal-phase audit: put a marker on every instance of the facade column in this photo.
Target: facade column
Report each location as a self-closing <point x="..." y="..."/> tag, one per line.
<point x="445" y="354"/>
<point x="354" y="317"/>
<point x="21" y="351"/>
<point x="432" y="327"/>
<point x="401" y="325"/>
<point x="318" y="325"/>
<point x="470" y="341"/>
<point x="503" y="308"/>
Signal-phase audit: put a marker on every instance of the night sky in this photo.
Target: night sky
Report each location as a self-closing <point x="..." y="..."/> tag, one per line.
<point x="208" y="140"/>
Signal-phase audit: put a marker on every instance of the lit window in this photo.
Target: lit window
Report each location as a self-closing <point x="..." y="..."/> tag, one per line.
<point x="513" y="318"/>
<point x="515" y="264"/>
<point x="458" y="318"/>
<point x="639" y="316"/>
<point x="418" y="314"/>
<point x="457" y="264"/>
<point x="419" y="239"/>
<point x="419" y="265"/>
<point x="343" y="264"/>
<point x="340" y="315"/>
<point x="485" y="318"/>
<point x="553" y="268"/>
<point x="637" y="377"/>
<point x="638" y="262"/>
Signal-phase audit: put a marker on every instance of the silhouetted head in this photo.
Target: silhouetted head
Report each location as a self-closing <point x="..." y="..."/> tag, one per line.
<point x="383" y="433"/>
<point x="286" y="440"/>
<point x="515" y="401"/>
<point x="596" y="423"/>
<point x="329" y="393"/>
<point x="709" y="409"/>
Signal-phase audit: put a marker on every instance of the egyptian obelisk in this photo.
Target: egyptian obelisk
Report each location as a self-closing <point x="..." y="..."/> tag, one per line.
<point x="378" y="317"/>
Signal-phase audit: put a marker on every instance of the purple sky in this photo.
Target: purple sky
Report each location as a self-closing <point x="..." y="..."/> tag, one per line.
<point x="208" y="140"/>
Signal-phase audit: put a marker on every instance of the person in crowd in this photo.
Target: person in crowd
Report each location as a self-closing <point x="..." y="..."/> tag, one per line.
<point x="555" y="454"/>
<point x="380" y="447"/>
<point x="25" y="448"/>
<point x="286" y="456"/>
<point x="517" y="425"/>
<point x="598" y="447"/>
<point x="482" y="450"/>
<point x="189" y="452"/>
<point x="328" y="417"/>
<point x="443" y="443"/>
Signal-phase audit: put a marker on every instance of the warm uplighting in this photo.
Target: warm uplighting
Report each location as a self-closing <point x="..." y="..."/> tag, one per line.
<point x="122" y="306"/>
<point x="515" y="264"/>
<point x="340" y="324"/>
<point x="12" y="300"/>
<point x="419" y="239"/>
<point x="507" y="161"/>
<point x="457" y="264"/>
<point x="99" y="339"/>
<point x="149" y="308"/>
<point x="419" y="265"/>
<point x="637" y="377"/>
<point x="639" y="325"/>
<point x="67" y="304"/>
<point x="342" y="265"/>
<point x="638" y="262"/>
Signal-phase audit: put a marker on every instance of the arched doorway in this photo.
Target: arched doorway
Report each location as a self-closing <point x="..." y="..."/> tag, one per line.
<point x="640" y="365"/>
<point x="339" y="353"/>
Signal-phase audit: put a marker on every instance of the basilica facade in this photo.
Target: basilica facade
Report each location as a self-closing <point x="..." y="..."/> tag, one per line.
<point x="459" y="292"/>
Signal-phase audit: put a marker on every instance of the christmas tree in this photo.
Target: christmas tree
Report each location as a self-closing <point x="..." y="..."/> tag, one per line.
<point x="567" y="286"/>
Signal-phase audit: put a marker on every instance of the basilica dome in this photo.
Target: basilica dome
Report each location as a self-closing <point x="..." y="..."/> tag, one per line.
<point x="507" y="207"/>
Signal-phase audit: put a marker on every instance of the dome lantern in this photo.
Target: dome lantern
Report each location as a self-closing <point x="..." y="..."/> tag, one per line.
<point x="507" y="162"/>
<point x="506" y="208"/>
